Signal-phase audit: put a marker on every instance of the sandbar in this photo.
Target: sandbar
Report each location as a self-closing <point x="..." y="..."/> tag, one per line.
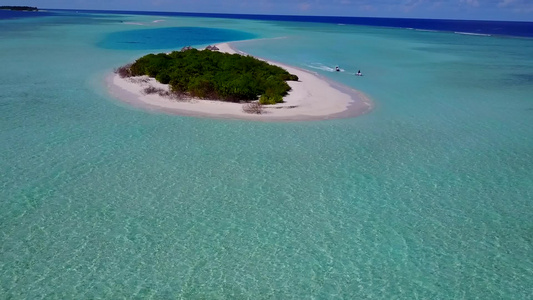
<point x="313" y="97"/>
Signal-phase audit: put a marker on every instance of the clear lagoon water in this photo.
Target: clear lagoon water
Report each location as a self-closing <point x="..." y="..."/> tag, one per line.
<point x="428" y="196"/>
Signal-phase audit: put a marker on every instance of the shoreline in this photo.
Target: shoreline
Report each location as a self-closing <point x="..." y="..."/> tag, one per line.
<point x="313" y="97"/>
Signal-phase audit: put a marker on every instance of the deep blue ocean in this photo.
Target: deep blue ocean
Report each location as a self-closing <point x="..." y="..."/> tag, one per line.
<point x="503" y="28"/>
<point x="427" y="196"/>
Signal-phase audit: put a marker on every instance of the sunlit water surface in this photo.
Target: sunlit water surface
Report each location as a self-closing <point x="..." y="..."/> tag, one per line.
<point x="428" y="196"/>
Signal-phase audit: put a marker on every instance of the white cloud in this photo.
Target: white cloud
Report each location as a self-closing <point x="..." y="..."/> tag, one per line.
<point x="517" y="6"/>
<point x="474" y="3"/>
<point x="409" y="5"/>
<point x="506" y="3"/>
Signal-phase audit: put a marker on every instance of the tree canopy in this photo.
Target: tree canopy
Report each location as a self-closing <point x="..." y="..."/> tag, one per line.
<point x="213" y="75"/>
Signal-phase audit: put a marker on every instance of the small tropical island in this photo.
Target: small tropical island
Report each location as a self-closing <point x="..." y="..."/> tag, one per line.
<point x="207" y="74"/>
<point x="223" y="82"/>
<point x="20" y="8"/>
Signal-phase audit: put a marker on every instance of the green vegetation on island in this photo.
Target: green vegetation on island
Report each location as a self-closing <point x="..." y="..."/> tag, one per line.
<point x="213" y="75"/>
<point x="21" y="8"/>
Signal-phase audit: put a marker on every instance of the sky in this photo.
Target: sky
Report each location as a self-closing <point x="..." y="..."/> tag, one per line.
<point x="511" y="10"/>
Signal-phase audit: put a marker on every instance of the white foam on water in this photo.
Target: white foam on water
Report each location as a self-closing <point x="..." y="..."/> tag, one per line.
<point x="471" y="33"/>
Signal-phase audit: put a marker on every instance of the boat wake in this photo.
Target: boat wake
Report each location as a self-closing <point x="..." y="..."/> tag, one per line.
<point x="319" y="66"/>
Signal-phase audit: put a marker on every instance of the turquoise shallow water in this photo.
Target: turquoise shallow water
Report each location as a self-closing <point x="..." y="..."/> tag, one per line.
<point x="428" y="196"/>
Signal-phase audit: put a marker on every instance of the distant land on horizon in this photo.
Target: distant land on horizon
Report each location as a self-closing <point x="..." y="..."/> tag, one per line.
<point x="19" y="8"/>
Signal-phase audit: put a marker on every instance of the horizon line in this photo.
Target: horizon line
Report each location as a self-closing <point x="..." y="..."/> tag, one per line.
<point x="283" y="15"/>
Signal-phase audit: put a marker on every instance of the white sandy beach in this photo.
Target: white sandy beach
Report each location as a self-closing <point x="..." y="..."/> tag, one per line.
<point x="311" y="98"/>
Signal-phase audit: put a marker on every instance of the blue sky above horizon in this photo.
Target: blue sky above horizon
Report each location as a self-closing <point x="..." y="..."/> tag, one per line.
<point x="512" y="10"/>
